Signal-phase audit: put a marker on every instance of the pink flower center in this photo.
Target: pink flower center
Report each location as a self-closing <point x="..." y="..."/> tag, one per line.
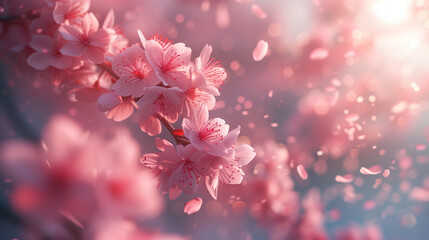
<point x="214" y="72"/>
<point x="171" y="62"/>
<point x="190" y="172"/>
<point x="211" y="133"/>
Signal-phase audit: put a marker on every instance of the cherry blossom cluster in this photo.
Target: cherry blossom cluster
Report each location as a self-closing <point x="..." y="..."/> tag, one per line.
<point x="157" y="77"/>
<point x="167" y="85"/>
<point x="83" y="184"/>
<point x="61" y="39"/>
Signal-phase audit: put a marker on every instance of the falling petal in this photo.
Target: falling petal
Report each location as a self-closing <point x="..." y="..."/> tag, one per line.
<point x="419" y="194"/>
<point x="386" y="173"/>
<point x="222" y="16"/>
<point x="260" y="50"/>
<point x="374" y="170"/>
<point x="205" y="5"/>
<point x="420" y="147"/>
<point x="368" y="205"/>
<point x="352" y="117"/>
<point x="258" y="11"/>
<point x="399" y="107"/>
<point x="349" y="54"/>
<point x="319" y="54"/>
<point x="344" y="179"/>
<point x="334" y="98"/>
<point x="193" y="205"/>
<point x="336" y="82"/>
<point x="302" y="172"/>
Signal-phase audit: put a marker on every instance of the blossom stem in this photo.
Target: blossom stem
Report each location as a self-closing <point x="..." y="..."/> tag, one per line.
<point x="181" y="140"/>
<point x="108" y="69"/>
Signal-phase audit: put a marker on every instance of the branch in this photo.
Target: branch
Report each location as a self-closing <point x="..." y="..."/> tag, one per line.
<point x="177" y="135"/>
<point x="19" y="17"/>
<point x="108" y="69"/>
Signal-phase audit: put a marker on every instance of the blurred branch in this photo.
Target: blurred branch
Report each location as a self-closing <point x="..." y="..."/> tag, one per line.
<point x="8" y="215"/>
<point x="19" y="17"/>
<point x="8" y="103"/>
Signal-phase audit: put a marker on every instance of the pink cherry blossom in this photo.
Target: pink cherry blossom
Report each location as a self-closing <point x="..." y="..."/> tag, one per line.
<point x="85" y="39"/>
<point x="119" y="41"/>
<point x="169" y="61"/>
<point x="205" y="134"/>
<point x="176" y="168"/>
<point x="134" y="72"/>
<point x="48" y="54"/>
<point x="212" y="71"/>
<point x="70" y="10"/>
<point x="227" y="169"/>
<point x="198" y="93"/>
<point x="165" y="102"/>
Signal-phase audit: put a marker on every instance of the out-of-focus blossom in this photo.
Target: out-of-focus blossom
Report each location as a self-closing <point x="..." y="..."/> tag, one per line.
<point x="48" y="53"/>
<point x="70" y="10"/>
<point x="85" y="177"/>
<point x="355" y="232"/>
<point x="85" y="39"/>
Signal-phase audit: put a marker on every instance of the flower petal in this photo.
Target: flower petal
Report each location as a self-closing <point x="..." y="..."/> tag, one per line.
<point x="73" y="49"/>
<point x="193" y="206"/>
<point x="302" y="172"/>
<point x="108" y="101"/>
<point x="260" y="50"/>
<point x="39" y="61"/>
<point x="42" y="43"/>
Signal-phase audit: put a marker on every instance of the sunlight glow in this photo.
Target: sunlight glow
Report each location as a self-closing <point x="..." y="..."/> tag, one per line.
<point x="392" y="11"/>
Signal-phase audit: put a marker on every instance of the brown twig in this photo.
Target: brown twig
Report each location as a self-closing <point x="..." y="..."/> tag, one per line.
<point x="180" y="139"/>
<point x="108" y="69"/>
